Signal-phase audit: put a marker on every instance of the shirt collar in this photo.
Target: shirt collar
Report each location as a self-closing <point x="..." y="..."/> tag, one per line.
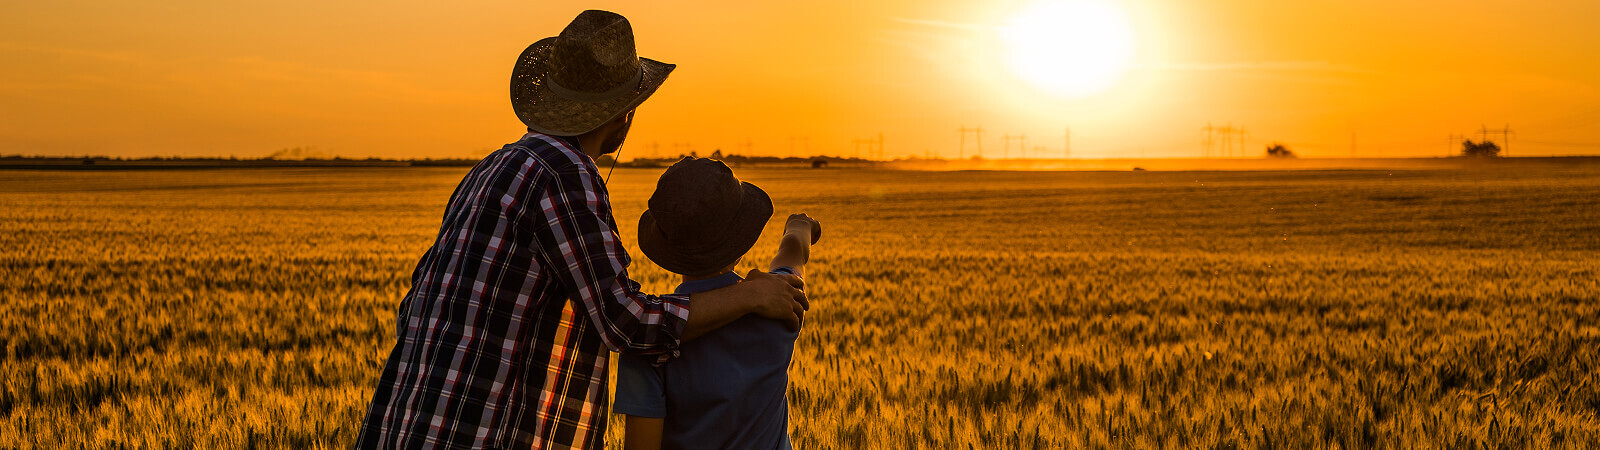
<point x="709" y="284"/>
<point x="572" y="143"/>
<point x="569" y="140"/>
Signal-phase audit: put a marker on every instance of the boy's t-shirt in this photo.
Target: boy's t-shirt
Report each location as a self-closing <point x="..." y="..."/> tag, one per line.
<point x="726" y="389"/>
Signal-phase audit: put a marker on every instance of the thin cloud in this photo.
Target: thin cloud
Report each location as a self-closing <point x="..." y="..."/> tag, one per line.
<point x="1322" y="72"/>
<point x="120" y="57"/>
<point x="1258" y="66"/>
<point x="943" y="24"/>
<point x="951" y="48"/>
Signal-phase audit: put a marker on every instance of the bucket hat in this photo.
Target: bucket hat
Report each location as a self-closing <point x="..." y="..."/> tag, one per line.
<point x="701" y="218"/>
<point x="588" y="75"/>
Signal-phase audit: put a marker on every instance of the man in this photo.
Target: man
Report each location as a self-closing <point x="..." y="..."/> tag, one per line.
<point x="503" y="337"/>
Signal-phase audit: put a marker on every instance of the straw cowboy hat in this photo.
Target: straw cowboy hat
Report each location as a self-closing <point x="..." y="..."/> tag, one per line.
<point x="590" y="74"/>
<point x="701" y="217"/>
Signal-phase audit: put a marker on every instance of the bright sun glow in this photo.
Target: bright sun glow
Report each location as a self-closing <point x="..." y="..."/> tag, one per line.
<point x="1068" y="48"/>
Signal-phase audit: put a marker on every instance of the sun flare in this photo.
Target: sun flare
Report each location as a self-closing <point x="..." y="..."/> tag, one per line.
<point x="1068" y="48"/>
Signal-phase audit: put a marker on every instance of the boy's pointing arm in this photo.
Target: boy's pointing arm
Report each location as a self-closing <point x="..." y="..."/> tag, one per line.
<point x="795" y="250"/>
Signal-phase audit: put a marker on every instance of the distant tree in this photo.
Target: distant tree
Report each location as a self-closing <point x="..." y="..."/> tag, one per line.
<point x="1485" y="149"/>
<point x="1277" y="150"/>
<point x="299" y="153"/>
<point x="716" y="154"/>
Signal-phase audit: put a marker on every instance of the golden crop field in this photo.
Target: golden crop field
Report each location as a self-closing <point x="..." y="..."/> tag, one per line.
<point x="1290" y="309"/>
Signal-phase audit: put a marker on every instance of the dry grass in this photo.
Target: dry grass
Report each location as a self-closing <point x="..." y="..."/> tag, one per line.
<point x="1350" y="309"/>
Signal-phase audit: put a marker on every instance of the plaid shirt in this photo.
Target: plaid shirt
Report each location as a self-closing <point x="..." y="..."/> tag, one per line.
<point x="503" y="338"/>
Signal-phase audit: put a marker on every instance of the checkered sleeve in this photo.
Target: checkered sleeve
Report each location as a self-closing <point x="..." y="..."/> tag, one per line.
<point x="580" y="245"/>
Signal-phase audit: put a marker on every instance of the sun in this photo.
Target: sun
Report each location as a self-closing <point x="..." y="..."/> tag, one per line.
<point x="1068" y="48"/>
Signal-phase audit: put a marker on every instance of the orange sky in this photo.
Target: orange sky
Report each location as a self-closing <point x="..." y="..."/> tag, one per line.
<point x="418" y="79"/>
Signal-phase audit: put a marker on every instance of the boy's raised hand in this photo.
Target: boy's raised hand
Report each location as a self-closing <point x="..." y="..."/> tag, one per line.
<point x="800" y="223"/>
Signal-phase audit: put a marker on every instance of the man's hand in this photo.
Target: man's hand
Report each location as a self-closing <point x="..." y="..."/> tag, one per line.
<point x="777" y="297"/>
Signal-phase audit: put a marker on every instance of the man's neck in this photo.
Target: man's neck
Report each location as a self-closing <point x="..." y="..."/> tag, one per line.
<point x="590" y="145"/>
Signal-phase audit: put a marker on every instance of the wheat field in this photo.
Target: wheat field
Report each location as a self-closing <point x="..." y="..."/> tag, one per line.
<point x="1290" y="309"/>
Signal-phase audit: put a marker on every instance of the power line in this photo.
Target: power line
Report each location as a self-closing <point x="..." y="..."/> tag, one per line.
<point x="1022" y="142"/>
<point x="1223" y="135"/>
<point x="1227" y="140"/>
<point x="1242" y="134"/>
<point x="874" y="146"/>
<point x="961" y="151"/>
<point x="1066" y="152"/>
<point x="1505" y="135"/>
<point x="1483" y="137"/>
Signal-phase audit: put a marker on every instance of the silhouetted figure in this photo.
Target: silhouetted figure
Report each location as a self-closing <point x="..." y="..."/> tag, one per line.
<point x="505" y="338"/>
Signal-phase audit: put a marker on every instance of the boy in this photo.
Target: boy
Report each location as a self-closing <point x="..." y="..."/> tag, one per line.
<point x="727" y="389"/>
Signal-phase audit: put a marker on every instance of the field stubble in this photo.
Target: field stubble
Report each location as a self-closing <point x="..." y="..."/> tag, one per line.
<point x="1340" y="309"/>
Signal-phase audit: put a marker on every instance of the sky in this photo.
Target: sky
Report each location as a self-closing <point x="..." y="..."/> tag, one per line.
<point x="411" y="79"/>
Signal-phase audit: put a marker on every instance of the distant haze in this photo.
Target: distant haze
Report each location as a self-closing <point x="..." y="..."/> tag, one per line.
<point x="428" y="79"/>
